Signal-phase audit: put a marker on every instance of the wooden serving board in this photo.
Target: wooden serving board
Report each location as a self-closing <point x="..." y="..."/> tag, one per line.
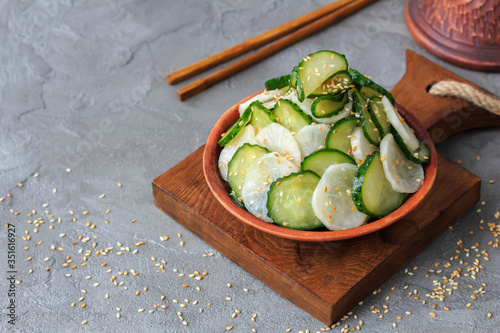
<point x="327" y="279"/>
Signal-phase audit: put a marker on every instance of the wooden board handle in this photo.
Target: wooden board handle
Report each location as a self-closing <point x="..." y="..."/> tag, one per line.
<point x="442" y="116"/>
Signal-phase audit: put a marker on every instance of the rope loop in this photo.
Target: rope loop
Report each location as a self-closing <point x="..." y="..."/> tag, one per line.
<point x="467" y="92"/>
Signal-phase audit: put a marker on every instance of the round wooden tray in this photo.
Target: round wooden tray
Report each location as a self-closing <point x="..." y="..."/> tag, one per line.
<point x="464" y="33"/>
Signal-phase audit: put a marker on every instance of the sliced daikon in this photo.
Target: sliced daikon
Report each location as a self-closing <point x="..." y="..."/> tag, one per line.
<point x="400" y="125"/>
<point x="360" y="146"/>
<point x="332" y="202"/>
<point x="278" y="139"/>
<point x="311" y="138"/>
<point x="404" y="175"/>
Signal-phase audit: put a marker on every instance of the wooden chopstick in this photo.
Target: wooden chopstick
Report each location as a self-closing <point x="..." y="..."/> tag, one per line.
<point x="253" y="43"/>
<point x="200" y="85"/>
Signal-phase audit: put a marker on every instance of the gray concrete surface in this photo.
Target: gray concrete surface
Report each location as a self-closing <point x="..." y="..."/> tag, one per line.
<point x="83" y="90"/>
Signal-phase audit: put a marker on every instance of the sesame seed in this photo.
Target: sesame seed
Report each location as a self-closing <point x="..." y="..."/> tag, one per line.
<point x="84" y="322"/>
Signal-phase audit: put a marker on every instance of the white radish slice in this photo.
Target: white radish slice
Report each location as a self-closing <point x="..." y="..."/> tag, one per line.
<point x="306" y="107"/>
<point x="400" y="125"/>
<point x="404" y="175"/>
<point x="258" y="179"/>
<point x="264" y="97"/>
<point x="270" y="105"/>
<point x="332" y="202"/>
<point x="360" y="146"/>
<point x="278" y="138"/>
<point x="246" y="135"/>
<point x="311" y="138"/>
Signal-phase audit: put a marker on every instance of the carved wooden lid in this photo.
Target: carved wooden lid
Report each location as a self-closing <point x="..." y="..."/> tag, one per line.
<point x="463" y="32"/>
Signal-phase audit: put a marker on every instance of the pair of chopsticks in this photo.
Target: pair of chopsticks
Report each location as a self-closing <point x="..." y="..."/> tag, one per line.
<point x="283" y="35"/>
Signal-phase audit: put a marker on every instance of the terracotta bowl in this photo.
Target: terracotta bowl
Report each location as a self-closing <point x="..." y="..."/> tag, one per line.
<point x="220" y="188"/>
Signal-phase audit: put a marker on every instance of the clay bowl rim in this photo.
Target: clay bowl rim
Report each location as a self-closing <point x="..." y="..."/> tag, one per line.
<point x="219" y="187"/>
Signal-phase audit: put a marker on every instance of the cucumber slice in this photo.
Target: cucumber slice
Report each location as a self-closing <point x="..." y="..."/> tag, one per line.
<point x="400" y="125"/>
<point x="246" y="135"/>
<point x="371" y="191"/>
<point x="369" y="129"/>
<point x="237" y="200"/>
<point x="264" y="97"/>
<point x="277" y="138"/>
<point x="279" y="82"/>
<point x="422" y="155"/>
<point x="289" y="201"/>
<point x="311" y="138"/>
<point x="289" y="114"/>
<point x="241" y="161"/>
<point x="306" y="107"/>
<point x="339" y="135"/>
<point x="294" y="77"/>
<point x="378" y="116"/>
<point x="235" y="128"/>
<point x="332" y="202"/>
<point x="363" y="80"/>
<point x="258" y="180"/>
<point x="261" y="116"/>
<point x="404" y="175"/>
<point x="360" y="146"/>
<point x="320" y="160"/>
<point x="328" y="105"/>
<point x="338" y="83"/>
<point x="315" y="69"/>
<point x="368" y="93"/>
